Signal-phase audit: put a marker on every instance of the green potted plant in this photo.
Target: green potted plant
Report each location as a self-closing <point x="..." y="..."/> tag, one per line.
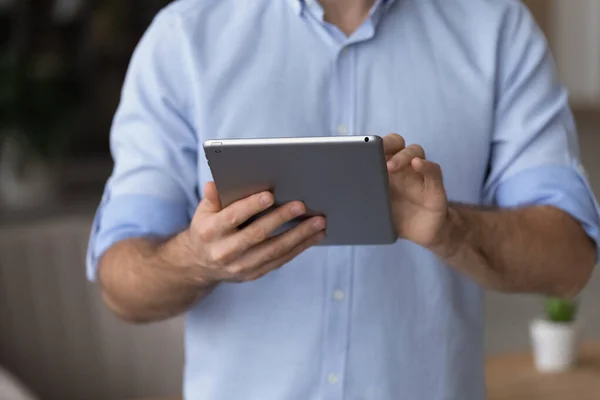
<point x="39" y="105"/>
<point x="555" y="337"/>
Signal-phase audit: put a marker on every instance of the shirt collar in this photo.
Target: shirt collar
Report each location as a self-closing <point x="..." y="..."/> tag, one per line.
<point x="299" y="5"/>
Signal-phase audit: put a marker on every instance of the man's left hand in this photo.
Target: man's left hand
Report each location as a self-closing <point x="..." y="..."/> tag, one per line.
<point x="418" y="197"/>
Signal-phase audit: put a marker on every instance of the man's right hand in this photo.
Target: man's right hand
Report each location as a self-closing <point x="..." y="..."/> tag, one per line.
<point x="219" y="251"/>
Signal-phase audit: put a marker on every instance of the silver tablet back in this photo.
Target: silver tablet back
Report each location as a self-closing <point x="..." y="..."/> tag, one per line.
<point x="343" y="178"/>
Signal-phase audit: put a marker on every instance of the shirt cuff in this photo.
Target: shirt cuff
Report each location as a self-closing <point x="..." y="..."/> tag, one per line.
<point x="132" y="216"/>
<point x="565" y="188"/>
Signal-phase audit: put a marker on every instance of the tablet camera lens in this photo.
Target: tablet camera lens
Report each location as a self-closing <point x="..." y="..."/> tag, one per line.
<point x="366" y="140"/>
<point x="218" y="151"/>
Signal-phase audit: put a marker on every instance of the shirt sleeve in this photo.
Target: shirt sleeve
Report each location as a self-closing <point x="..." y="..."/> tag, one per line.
<point x="152" y="190"/>
<point x="535" y="153"/>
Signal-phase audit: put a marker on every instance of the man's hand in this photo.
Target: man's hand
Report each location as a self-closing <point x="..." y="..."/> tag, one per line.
<point x="144" y="280"/>
<point x="220" y="251"/>
<point x="536" y="249"/>
<point x="418" y="198"/>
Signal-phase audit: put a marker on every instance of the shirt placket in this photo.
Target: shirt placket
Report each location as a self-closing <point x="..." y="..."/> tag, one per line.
<point x="339" y="297"/>
<point x="340" y="259"/>
<point x="344" y="92"/>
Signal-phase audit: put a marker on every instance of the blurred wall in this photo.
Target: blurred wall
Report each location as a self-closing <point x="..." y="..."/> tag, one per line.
<point x="57" y="336"/>
<point x="573" y="32"/>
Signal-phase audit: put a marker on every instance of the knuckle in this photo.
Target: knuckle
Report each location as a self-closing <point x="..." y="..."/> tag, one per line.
<point x="246" y="240"/>
<point x="418" y="149"/>
<point x="257" y="234"/>
<point x="276" y="218"/>
<point x="204" y="231"/>
<point x="231" y="217"/>
<point x="403" y="157"/>
<point x="236" y="269"/>
<point x="275" y="251"/>
<point x="398" y="158"/>
<point x="219" y="256"/>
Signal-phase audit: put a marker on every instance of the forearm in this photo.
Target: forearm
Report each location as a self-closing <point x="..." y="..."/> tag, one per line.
<point x="145" y="281"/>
<point x="538" y="249"/>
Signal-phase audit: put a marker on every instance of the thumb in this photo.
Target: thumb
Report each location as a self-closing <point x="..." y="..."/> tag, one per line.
<point x="210" y="203"/>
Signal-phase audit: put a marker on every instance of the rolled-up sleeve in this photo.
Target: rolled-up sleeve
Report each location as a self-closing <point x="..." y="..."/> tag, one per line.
<point x="535" y="152"/>
<point x="152" y="189"/>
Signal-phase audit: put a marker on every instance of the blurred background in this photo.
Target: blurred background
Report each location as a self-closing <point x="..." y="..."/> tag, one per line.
<point x="62" y="64"/>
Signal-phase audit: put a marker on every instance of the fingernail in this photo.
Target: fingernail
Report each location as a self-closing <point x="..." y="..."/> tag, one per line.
<point x="391" y="165"/>
<point x="265" y="200"/>
<point x="319" y="224"/>
<point x="297" y="210"/>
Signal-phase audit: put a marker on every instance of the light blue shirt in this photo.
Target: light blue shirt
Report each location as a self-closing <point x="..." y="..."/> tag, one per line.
<point x="469" y="80"/>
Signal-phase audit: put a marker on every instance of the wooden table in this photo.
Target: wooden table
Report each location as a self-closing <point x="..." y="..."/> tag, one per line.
<point x="513" y="377"/>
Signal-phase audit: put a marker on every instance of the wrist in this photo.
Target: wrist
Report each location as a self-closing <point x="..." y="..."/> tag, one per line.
<point x="179" y="256"/>
<point x="450" y="234"/>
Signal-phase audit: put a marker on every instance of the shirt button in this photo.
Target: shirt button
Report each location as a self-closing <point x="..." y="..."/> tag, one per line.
<point x="342" y="129"/>
<point x="338" y="295"/>
<point x="333" y="379"/>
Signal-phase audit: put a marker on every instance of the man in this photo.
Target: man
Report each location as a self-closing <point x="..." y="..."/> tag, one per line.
<point x="469" y="85"/>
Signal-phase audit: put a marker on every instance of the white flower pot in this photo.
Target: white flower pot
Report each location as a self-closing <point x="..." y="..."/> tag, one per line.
<point x="555" y="345"/>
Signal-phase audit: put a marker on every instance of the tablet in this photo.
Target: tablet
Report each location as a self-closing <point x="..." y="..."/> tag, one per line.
<point x="344" y="178"/>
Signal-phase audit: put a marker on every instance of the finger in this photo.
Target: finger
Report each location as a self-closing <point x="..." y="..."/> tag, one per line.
<point x="211" y="225"/>
<point x="262" y="229"/>
<point x="210" y="203"/>
<point x="393" y="144"/>
<point x="286" y="258"/>
<point x="404" y="158"/>
<point x="432" y="173"/>
<point x="277" y="247"/>
<point x="241" y="211"/>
